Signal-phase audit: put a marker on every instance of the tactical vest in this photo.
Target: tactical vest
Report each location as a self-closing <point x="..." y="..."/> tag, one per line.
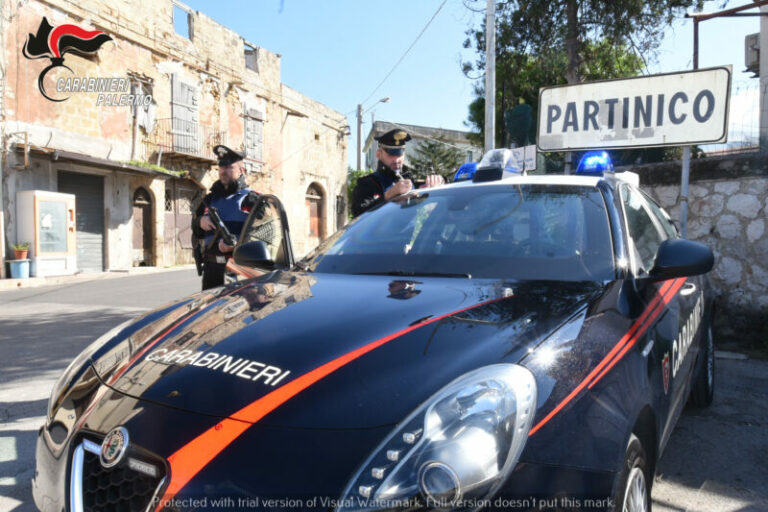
<point x="231" y="213"/>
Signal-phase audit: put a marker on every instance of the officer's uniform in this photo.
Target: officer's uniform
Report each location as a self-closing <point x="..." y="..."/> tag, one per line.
<point x="370" y="189"/>
<point x="233" y="203"/>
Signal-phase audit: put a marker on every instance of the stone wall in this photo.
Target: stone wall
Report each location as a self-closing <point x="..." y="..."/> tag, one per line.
<point x="728" y="211"/>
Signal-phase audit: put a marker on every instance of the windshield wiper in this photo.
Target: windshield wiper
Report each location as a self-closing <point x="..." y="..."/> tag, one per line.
<point x="415" y="274"/>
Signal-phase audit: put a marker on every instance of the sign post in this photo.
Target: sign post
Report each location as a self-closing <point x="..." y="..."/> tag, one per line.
<point x="671" y="109"/>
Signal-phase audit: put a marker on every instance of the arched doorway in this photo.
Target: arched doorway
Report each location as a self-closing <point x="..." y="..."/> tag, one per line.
<point x="315" y="213"/>
<point x="142" y="228"/>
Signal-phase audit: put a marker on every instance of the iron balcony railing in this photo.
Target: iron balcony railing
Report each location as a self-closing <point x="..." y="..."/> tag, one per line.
<point x="184" y="138"/>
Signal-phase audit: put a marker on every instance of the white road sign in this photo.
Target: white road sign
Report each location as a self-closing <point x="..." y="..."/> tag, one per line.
<point x="658" y="110"/>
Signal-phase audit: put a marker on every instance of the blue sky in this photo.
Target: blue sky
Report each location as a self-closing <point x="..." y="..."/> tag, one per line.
<point x="338" y="51"/>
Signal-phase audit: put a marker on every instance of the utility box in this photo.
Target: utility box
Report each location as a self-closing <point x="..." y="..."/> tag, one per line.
<point x="47" y="221"/>
<point x="752" y="53"/>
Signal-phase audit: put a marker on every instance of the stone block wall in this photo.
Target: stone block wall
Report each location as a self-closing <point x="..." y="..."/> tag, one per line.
<point x="728" y="211"/>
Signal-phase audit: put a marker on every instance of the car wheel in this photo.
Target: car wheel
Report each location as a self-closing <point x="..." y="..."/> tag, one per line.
<point x="634" y="491"/>
<point x="704" y="386"/>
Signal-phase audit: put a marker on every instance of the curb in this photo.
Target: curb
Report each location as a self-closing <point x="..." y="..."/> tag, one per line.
<point x="36" y="282"/>
<point x="734" y="356"/>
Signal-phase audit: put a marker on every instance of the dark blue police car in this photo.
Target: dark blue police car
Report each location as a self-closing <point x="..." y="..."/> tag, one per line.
<point x="521" y="342"/>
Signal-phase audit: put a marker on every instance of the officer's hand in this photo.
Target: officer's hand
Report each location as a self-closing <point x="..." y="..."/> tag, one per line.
<point x="225" y="247"/>
<point x="433" y="180"/>
<point x="401" y="187"/>
<point x="206" y="224"/>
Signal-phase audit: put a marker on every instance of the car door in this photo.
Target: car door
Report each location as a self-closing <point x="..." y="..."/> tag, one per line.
<point x="691" y="296"/>
<point x="268" y="223"/>
<point x="667" y="365"/>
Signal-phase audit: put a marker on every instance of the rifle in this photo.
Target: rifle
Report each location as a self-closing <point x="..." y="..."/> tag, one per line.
<point x="221" y="229"/>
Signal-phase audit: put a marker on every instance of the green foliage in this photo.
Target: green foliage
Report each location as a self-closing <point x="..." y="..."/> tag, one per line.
<point x="147" y="165"/>
<point x="436" y="157"/>
<point x="553" y="42"/>
<point x="21" y="246"/>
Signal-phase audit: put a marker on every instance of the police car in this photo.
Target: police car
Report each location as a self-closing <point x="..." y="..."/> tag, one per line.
<point x="507" y="342"/>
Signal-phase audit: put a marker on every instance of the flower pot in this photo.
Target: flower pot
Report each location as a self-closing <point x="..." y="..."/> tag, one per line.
<point x="20" y="254"/>
<point x="19" y="269"/>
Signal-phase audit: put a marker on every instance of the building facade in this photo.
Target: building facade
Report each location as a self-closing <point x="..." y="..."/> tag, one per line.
<point x="129" y="128"/>
<point x="454" y="138"/>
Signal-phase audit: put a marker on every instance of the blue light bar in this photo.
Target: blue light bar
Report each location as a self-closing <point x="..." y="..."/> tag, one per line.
<point x="595" y="163"/>
<point x="466" y="172"/>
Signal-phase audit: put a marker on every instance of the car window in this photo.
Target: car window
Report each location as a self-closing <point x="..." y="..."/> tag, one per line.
<point x="265" y="224"/>
<point x="661" y="217"/>
<point x="644" y="235"/>
<point x="525" y="232"/>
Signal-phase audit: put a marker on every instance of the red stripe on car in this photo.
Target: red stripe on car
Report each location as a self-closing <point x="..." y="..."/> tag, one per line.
<point x="191" y="458"/>
<point x="669" y="288"/>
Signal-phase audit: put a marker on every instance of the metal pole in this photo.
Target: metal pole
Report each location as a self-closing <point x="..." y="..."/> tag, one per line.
<point x="684" y="191"/>
<point x="490" y="74"/>
<point x="359" y="135"/>
<point x="686" y="171"/>
<point x="763" y="137"/>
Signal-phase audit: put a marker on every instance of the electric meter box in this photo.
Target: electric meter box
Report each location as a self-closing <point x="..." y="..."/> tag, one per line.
<point x="47" y="221"/>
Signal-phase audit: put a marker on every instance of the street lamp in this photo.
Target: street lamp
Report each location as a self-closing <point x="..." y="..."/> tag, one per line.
<point x="360" y="129"/>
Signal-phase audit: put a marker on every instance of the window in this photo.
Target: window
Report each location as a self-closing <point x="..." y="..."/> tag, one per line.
<point x="528" y="232"/>
<point x="168" y="197"/>
<point x="662" y="218"/>
<point x="251" y="57"/>
<point x="253" y="137"/>
<point x="182" y="21"/>
<point x="644" y="235"/>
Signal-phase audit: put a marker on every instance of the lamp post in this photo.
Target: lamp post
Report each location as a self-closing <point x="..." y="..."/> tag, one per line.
<point x="360" y="113"/>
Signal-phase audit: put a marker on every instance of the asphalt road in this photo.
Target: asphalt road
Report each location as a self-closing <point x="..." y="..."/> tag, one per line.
<point x="717" y="458"/>
<point x="41" y="331"/>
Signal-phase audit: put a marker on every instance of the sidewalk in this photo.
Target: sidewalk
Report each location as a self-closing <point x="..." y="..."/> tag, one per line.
<point x="34" y="282"/>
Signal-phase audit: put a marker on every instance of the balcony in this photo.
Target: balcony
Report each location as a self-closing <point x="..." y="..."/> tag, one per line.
<point x="176" y="141"/>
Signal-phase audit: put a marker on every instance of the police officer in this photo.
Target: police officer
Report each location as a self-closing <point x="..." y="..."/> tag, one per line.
<point x="233" y="200"/>
<point x="391" y="178"/>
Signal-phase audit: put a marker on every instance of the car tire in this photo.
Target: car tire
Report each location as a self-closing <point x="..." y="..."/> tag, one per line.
<point x="703" y="389"/>
<point x="634" y="490"/>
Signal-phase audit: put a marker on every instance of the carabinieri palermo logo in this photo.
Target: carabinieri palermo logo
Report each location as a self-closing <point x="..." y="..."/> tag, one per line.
<point x="55" y="42"/>
<point x="113" y="447"/>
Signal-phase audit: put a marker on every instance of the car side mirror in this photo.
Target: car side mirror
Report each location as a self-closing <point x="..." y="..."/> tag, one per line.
<point x="254" y="254"/>
<point x="681" y="258"/>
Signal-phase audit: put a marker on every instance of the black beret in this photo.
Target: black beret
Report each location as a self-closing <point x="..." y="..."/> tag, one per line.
<point x="227" y="156"/>
<point x="393" y="139"/>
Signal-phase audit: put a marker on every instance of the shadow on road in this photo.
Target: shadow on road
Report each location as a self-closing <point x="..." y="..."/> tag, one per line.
<point x="47" y="341"/>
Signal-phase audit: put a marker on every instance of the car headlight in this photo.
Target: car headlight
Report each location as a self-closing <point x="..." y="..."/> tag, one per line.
<point x="455" y="450"/>
<point x="77" y="367"/>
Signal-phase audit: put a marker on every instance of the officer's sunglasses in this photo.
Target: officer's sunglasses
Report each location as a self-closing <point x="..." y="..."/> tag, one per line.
<point x="394" y="151"/>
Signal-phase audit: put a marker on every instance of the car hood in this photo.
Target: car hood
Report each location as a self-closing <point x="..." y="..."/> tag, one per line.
<point x="328" y="350"/>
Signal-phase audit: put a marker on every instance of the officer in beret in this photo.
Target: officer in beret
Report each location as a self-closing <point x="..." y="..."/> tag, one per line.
<point x="391" y="177"/>
<point x="233" y="200"/>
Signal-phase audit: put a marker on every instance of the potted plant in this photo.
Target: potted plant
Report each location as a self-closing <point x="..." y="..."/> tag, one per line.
<point x="20" y="250"/>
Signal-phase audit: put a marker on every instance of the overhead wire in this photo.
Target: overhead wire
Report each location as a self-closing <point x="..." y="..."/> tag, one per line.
<point x="405" y="53"/>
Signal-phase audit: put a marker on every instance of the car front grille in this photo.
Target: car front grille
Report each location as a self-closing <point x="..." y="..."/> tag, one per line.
<point x="95" y="488"/>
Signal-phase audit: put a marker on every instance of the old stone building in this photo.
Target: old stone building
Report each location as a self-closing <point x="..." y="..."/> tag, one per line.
<point x="129" y="128"/>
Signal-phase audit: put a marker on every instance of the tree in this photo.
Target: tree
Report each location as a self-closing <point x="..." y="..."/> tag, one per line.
<point x="520" y="75"/>
<point x="436" y="157"/>
<point x="596" y="39"/>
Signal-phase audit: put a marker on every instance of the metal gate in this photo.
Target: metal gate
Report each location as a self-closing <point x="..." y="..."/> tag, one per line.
<point x="89" y="220"/>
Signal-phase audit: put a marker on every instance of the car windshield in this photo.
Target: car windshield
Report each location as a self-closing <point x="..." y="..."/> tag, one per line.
<point x="542" y="232"/>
